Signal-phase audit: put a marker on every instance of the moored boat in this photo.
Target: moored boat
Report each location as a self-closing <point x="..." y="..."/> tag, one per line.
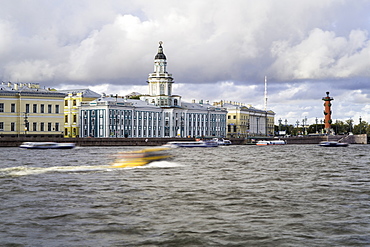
<point x="47" y="145"/>
<point x="333" y="144"/>
<point x="222" y="141"/>
<point x="273" y="142"/>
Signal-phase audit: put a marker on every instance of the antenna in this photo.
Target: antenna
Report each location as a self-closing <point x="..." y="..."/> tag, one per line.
<point x="265" y="93"/>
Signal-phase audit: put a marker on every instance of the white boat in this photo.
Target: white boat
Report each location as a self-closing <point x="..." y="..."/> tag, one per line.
<point x="222" y="141"/>
<point x="191" y="144"/>
<point x="273" y="142"/>
<point x="332" y="144"/>
<point x="47" y="145"/>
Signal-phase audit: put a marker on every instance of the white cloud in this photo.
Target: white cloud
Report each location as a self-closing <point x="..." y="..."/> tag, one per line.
<point x="216" y="49"/>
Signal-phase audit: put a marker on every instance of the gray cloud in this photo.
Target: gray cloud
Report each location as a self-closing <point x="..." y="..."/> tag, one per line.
<point x="216" y="49"/>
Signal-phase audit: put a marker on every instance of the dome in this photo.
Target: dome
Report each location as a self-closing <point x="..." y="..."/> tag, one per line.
<point x="160" y="54"/>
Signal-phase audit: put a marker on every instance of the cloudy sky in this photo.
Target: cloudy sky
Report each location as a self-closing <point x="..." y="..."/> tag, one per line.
<point x="216" y="50"/>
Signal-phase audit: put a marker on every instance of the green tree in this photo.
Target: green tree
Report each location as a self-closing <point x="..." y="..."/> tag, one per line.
<point x="361" y="128"/>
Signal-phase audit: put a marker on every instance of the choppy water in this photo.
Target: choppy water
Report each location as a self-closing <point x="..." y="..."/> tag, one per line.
<point x="292" y="195"/>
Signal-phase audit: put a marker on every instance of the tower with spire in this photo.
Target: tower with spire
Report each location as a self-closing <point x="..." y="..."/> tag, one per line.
<point x="160" y="83"/>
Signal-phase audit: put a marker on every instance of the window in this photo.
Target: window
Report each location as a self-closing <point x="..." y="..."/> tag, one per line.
<point x="74" y="118"/>
<point x="1" y="125"/>
<point x="49" y="108"/>
<point x="42" y="126"/>
<point x="1" y="107"/>
<point x="56" y="126"/>
<point x="27" y="108"/>
<point x="56" y="108"/>
<point x="42" y="108"/>
<point x="34" y="110"/>
<point x="12" y="126"/>
<point x="66" y="103"/>
<point x="66" y="118"/>
<point x="49" y="126"/>
<point x="34" y="127"/>
<point x="12" y="108"/>
<point x="74" y="102"/>
<point x="234" y="116"/>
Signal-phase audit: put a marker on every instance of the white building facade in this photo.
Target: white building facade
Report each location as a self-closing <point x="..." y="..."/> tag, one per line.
<point x="158" y="114"/>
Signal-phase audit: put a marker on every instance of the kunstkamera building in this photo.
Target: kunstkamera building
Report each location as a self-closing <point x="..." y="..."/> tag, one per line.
<point x="158" y="114"/>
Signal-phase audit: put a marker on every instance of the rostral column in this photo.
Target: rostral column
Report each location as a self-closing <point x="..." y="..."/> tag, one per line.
<point x="327" y="111"/>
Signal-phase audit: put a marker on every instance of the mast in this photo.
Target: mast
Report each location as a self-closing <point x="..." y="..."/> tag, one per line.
<point x="265" y="93"/>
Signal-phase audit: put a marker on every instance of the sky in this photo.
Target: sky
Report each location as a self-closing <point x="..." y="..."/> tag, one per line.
<point x="216" y="50"/>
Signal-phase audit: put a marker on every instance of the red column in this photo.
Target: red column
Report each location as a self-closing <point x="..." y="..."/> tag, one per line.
<point x="327" y="111"/>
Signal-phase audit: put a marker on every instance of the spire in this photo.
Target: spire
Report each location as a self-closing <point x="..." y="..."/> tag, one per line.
<point x="160" y="54"/>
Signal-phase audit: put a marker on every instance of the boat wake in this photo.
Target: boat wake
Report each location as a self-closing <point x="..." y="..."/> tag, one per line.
<point x="26" y="170"/>
<point x="161" y="164"/>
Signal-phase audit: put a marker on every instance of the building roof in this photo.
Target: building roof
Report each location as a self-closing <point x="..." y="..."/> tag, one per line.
<point x="86" y="93"/>
<point x="28" y="89"/>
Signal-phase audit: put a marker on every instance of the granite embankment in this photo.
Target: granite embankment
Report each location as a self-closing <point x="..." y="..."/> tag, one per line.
<point x="16" y="141"/>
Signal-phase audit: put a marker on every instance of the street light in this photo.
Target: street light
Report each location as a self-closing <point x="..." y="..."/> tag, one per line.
<point x="26" y="122"/>
<point x="360" y="125"/>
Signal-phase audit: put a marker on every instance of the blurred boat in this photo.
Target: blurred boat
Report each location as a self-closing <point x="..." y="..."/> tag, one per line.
<point x="274" y="142"/>
<point x="192" y="144"/>
<point x="332" y="144"/>
<point x="47" y="145"/>
<point x="140" y="157"/>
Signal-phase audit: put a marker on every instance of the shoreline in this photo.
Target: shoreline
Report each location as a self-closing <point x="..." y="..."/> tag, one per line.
<point x="84" y="142"/>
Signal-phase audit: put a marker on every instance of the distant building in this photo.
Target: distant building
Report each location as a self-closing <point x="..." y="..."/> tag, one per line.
<point x="72" y="102"/>
<point x="158" y="114"/>
<point x="27" y="109"/>
<point x="247" y="121"/>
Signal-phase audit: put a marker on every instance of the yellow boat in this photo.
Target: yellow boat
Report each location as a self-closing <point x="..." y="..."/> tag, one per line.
<point x="140" y="157"/>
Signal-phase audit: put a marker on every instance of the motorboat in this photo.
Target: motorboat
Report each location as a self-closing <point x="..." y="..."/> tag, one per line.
<point x="140" y="157"/>
<point x="192" y="144"/>
<point x="273" y="142"/>
<point x="333" y="144"/>
<point x="47" y="145"/>
<point x="222" y="141"/>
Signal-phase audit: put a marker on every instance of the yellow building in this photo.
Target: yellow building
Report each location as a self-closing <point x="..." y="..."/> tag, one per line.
<point x="72" y="103"/>
<point x="27" y="109"/>
<point x="247" y="121"/>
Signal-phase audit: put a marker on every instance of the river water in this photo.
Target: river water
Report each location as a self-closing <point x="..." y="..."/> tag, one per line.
<point x="291" y="195"/>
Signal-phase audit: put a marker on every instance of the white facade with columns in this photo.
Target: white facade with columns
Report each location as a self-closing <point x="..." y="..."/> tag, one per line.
<point x="157" y="114"/>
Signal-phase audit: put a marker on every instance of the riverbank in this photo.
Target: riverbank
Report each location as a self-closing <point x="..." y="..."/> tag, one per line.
<point x="85" y="142"/>
<point x="16" y="141"/>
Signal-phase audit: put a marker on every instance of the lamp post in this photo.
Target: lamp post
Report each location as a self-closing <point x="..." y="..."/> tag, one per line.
<point x="316" y="125"/>
<point x="297" y="125"/>
<point x="25" y="122"/>
<point x="279" y="124"/>
<point x="360" y="125"/>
